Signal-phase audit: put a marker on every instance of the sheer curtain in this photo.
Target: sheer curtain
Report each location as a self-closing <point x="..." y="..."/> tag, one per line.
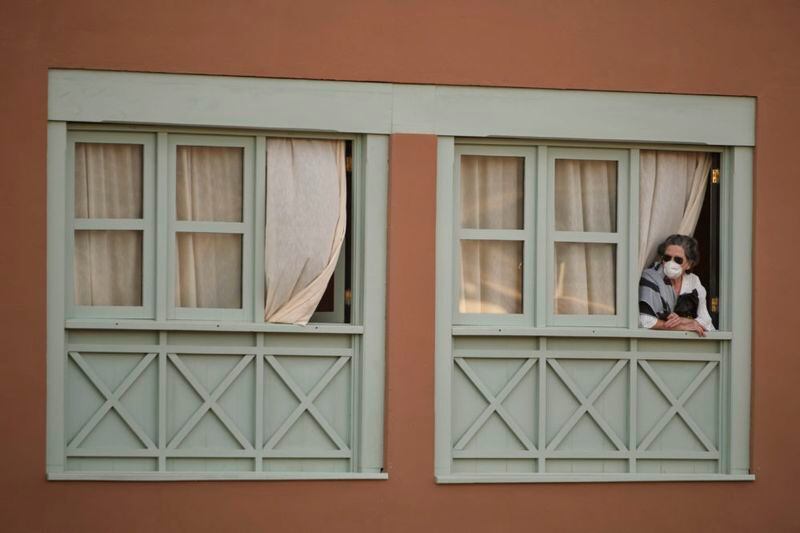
<point x="305" y="227"/>
<point x="209" y="182"/>
<point x="585" y="200"/>
<point x="492" y="197"/>
<point x="108" y="264"/>
<point x="672" y="186"/>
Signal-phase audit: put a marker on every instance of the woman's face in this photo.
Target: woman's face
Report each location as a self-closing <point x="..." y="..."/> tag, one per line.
<point x="675" y="252"/>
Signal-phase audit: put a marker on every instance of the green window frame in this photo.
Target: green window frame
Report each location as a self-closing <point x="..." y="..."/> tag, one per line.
<point x="494" y="356"/>
<point x="147" y="225"/>
<point x="251" y="247"/>
<point x="618" y="238"/>
<point x="524" y="235"/>
<point x="89" y="341"/>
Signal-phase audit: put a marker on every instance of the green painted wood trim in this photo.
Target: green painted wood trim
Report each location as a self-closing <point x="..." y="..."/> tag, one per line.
<point x="540" y="202"/>
<point x="358" y="107"/>
<point x="740" y="305"/>
<point x="245" y="227"/>
<point x="500" y="353"/>
<point x="585" y="478"/>
<point x="372" y="181"/>
<point x="162" y="227"/>
<point x="56" y="299"/>
<point x="108" y="224"/>
<point x="619" y="237"/>
<point x="445" y="301"/>
<point x="578" y="331"/>
<point x="632" y="290"/>
<point x="209" y="325"/>
<point x="525" y="235"/>
<point x="210" y="350"/>
<point x="213" y="476"/>
<point x="259" y="233"/>
<point x="146" y="224"/>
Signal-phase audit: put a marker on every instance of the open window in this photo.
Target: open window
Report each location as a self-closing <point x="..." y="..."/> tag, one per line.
<point x="217" y="320"/>
<point x="549" y="375"/>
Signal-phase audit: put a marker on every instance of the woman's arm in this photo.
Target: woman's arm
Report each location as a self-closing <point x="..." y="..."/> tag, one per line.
<point x="676" y="323"/>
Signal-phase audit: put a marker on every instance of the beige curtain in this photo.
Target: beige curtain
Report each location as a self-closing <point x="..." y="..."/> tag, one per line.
<point x="305" y="227"/>
<point x="672" y="186"/>
<point x="209" y="183"/>
<point x="585" y="200"/>
<point x="108" y="264"/>
<point x="492" y="197"/>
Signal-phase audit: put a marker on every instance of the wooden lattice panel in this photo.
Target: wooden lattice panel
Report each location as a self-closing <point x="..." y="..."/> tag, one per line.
<point x="205" y="402"/>
<point x="586" y="407"/>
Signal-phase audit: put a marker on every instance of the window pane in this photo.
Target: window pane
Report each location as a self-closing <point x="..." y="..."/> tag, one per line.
<point x="209" y="270"/>
<point x="585" y="279"/>
<point x="491" y="277"/>
<point x="586" y="195"/>
<point x="108" y="180"/>
<point x="209" y="183"/>
<point x="492" y="195"/>
<point x="108" y="268"/>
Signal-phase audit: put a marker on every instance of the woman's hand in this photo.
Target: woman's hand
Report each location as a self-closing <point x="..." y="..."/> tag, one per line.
<point x="678" y="323"/>
<point x="673" y="321"/>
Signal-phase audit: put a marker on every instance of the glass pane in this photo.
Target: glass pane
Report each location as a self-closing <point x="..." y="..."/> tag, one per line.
<point x="491" y="277"/>
<point x="586" y="195"/>
<point x="108" y="180"/>
<point x="492" y="195"/>
<point x="209" y="183"/>
<point x="108" y="268"/>
<point x="209" y="270"/>
<point x="585" y="279"/>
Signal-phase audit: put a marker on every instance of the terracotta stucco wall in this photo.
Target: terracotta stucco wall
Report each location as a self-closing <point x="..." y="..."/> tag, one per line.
<point x="704" y="46"/>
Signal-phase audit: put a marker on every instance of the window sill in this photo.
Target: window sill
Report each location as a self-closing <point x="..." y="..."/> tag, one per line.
<point x="517" y="331"/>
<point x="208" y="325"/>
<point x="213" y="476"/>
<point x="587" y="478"/>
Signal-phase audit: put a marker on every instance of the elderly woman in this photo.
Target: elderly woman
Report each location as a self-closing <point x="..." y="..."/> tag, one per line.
<point x="670" y="297"/>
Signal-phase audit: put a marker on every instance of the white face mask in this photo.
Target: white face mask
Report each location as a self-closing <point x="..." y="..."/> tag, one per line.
<point x="672" y="270"/>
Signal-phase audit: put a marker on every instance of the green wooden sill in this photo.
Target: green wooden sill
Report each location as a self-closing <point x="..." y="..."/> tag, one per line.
<point x="586" y="478"/>
<point x="210" y="325"/>
<point x="522" y="331"/>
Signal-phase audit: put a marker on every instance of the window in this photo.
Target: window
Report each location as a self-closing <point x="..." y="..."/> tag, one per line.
<point x="189" y="254"/>
<point x="547" y="374"/>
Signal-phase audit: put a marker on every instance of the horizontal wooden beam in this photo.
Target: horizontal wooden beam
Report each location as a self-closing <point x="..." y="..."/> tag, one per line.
<point x="384" y="108"/>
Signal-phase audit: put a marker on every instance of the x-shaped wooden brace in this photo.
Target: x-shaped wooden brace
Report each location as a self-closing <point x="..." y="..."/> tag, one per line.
<point x="210" y="401"/>
<point x="495" y="404"/>
<point x="112" y="401"/>
<point x="306" y="402"/>
<point x="586" y="404"/>
<point x="677" y="407"/>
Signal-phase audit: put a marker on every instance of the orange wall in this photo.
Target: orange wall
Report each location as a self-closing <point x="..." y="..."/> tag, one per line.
<point x="702" y="46"/>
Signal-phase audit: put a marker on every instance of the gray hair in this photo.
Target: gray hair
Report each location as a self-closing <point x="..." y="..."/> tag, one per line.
<point x="689" y="245"/>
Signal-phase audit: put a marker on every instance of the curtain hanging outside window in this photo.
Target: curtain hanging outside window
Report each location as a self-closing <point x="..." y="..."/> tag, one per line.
<point x="672" y="187"/>
<point x="305" y="226"/>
